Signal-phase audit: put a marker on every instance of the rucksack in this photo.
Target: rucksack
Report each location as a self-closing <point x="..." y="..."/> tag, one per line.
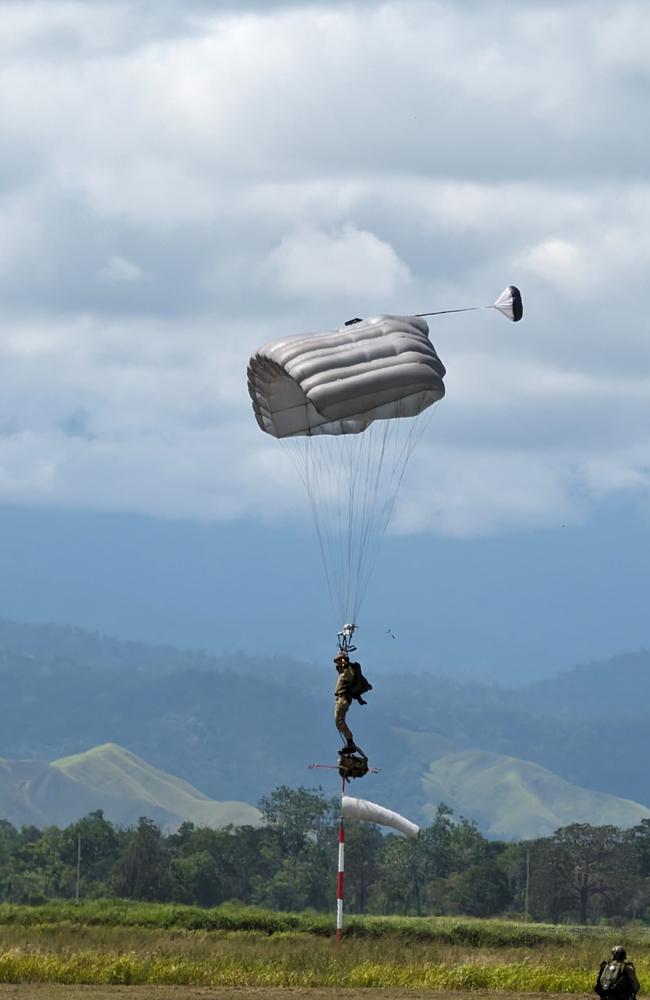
<point x="352" y="765"/>
<point x="360" y="684"/>
<point x="612" y="980"/>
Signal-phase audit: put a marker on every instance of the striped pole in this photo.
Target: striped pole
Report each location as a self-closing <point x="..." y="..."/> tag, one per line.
<point x="339" y="888"/>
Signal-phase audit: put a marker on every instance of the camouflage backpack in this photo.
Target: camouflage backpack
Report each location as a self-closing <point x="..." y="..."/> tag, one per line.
<point x="360" y="684"/>
<point x="352" y="766"/>
<point x="612" y="980"/>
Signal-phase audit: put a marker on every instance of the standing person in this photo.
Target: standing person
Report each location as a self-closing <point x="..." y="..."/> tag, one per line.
<point x="617" y="977"/>
<point x="343" y="699"/>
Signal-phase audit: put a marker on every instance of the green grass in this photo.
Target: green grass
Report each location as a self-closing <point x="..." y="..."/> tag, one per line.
<point x="234" y="946"/>
<point x="293" y="963"/>
<point x="233" y="917"/>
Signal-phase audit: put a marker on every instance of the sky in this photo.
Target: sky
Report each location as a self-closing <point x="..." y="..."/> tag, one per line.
<point x="183" y="181"/>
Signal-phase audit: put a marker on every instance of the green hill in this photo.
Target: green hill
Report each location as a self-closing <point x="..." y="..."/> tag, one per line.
<point x="515" y="799"/>
<point x="110" y="778"/>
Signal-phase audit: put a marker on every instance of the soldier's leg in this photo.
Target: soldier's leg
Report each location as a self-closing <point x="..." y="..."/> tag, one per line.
<point x="341" y="706"/>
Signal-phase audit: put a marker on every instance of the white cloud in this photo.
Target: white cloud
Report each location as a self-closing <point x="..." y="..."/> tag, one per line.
<point x="560" y="263"/>
<point x="349" y="262"/>
<point x="182" y="183"/>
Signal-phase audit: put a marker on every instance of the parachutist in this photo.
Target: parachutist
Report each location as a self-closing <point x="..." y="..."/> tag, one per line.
<point x="350" y="684"/>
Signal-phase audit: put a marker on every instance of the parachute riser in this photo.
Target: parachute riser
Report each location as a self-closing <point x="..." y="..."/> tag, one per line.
<point x="344" y="639"/>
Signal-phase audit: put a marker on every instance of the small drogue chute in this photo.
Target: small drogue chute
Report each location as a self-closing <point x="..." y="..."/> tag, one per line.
<point x="509" y="304"/>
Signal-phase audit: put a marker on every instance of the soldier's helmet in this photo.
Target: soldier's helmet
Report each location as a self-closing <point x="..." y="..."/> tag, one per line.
<point x="619" y="953"/>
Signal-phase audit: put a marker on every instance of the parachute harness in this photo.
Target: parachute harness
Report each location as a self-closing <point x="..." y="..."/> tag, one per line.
<point x="344" y="639"/>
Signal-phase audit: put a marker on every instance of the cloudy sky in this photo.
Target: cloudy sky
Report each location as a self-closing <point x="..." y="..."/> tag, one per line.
<point x="182" y="181"/>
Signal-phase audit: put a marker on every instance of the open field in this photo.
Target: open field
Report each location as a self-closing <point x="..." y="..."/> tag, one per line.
<point x="115" y="945"/>
<point x="49" y="992"/>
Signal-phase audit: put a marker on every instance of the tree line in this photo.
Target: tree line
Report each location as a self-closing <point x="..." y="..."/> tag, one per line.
<point x="581" y="873"/>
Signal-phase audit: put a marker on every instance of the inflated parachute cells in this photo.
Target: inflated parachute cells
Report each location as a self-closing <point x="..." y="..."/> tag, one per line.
<point x="339" y="382"/>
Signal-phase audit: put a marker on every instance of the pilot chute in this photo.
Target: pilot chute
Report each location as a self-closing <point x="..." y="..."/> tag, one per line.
<point x="509" y="304"/>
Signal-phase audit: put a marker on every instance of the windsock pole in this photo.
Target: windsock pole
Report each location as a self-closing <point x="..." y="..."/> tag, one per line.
<point x="341" y="876"/>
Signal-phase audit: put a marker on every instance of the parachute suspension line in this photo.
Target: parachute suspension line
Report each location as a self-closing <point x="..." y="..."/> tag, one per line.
<point x="299" y="453"/>
<point x="402" y="451"/>
<point x="352" y="482"/>
<point x="371" y="506"/>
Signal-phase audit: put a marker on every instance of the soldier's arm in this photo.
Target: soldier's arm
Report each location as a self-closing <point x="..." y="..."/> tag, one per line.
<point x="630" y="971"/>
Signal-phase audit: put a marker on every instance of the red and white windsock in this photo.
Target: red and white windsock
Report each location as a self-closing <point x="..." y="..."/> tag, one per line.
<point x="352" y="808"/>
<point x="339" y="886"/>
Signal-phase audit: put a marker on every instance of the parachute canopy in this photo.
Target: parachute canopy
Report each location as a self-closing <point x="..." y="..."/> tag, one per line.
<point x="340" y="382"/>
<point x="372" y="813"/>
<point x="509" y="303"/>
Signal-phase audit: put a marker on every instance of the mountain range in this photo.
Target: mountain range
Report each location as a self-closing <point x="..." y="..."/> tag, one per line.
<point x="109" y="778"/>
<point x="521" y="762"/>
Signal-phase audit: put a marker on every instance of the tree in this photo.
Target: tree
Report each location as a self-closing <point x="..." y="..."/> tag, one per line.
<point x="481" y="890"/>
<point x="294" y="814"/>
<point x="592" y="863"/>
<point x="143" y="869"/>
<point x="196" y="879"/>
<point x="363" y="846"/>
<point x="100" y="844"/>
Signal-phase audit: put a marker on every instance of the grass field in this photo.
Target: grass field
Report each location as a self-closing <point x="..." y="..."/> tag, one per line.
<point x="158" y="947"/>
<point x="55" y="992"/>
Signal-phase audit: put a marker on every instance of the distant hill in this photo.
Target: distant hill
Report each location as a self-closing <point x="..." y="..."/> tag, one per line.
<point x="237" y="727"/>
<point x="591" y="688"/>
<point x="110" y="778"/>
<point x="511" y="798"/>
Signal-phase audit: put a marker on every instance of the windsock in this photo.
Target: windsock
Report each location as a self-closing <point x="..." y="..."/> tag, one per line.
<point x="372" y="813"/>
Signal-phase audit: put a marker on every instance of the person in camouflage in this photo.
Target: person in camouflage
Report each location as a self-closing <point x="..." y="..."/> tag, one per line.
<point x="617" y="977"/>
<point x="343" y="699"/>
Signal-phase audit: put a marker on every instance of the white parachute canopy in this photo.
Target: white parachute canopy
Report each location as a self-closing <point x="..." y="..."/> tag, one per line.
<point x="349" y="407"/>
<point x="352" y="808"/>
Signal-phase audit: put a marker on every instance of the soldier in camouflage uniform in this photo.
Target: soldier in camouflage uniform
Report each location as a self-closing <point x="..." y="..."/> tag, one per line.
<point x="343" y="699"/>
<point x="617" y="977"/>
